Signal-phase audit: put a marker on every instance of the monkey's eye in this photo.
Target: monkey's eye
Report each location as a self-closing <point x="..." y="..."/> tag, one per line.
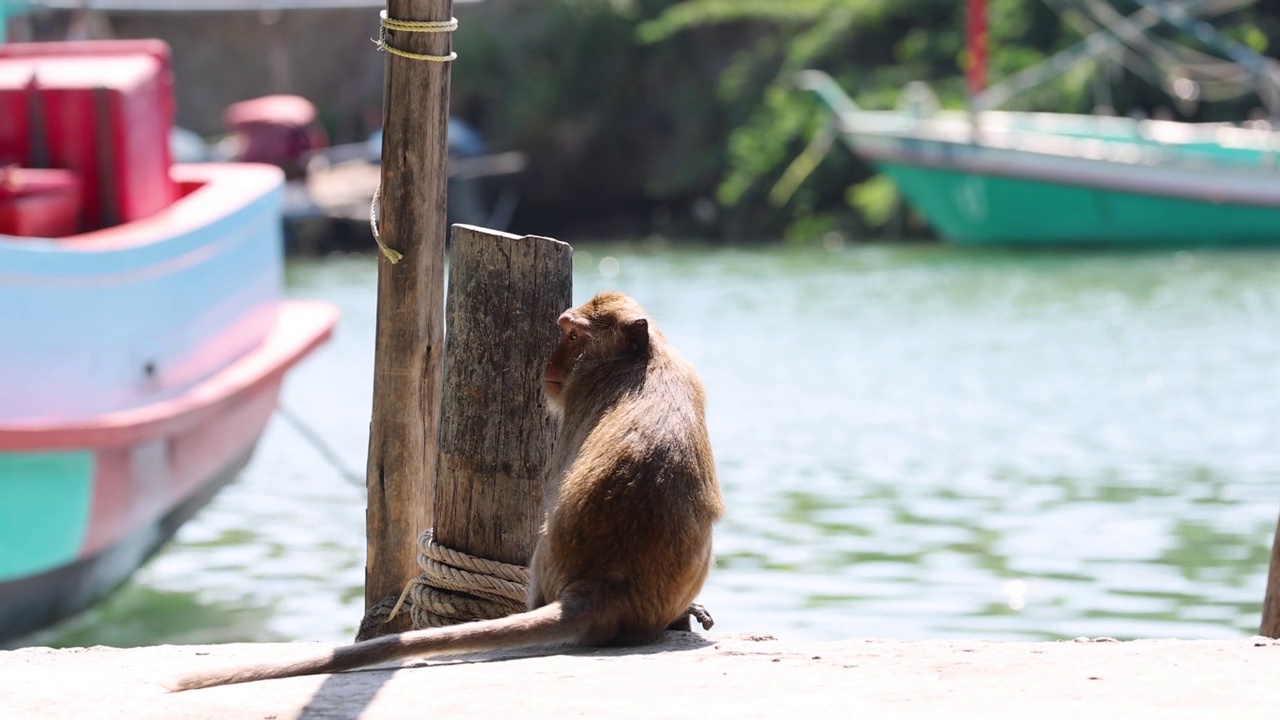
<point x="573" y="336"/>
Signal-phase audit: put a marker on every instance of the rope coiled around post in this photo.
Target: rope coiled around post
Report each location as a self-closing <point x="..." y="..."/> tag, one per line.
<point x="455" y="587"/>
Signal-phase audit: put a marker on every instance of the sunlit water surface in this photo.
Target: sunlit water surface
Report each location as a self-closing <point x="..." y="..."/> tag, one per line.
<point x="913" y="442"/>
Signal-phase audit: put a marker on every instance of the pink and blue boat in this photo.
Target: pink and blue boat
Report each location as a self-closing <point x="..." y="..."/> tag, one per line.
<point x="143" y="336"/>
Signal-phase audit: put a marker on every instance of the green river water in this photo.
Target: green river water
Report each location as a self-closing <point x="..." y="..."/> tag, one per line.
<point x="913" y="441"/>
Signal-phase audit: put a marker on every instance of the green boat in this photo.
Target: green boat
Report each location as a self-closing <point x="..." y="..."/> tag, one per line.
<point x="1021" y="178"/>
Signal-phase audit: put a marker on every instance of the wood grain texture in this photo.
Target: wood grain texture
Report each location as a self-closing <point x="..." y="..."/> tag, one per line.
<point x="505" y="293"/>
<point x="1271" y="601"/>
<point x="408" y="357"/>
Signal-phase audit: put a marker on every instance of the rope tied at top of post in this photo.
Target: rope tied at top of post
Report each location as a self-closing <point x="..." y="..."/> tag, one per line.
<point x="414" y="26"/>
<point x="384" y="45"/>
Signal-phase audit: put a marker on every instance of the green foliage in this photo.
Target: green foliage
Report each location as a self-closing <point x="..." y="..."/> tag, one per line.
<point x="809" y="228"/>
<point x="697" y="13"/>
<point x="875" y="199"/>
<point x="872" y="46"/>
<point x="1249" y="36"/>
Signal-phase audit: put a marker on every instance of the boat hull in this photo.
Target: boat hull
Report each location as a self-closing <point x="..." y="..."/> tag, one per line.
<point x="985" y="209"/>
<point x="1045" y="179"/>
<point x="84" y="503"/>
<point x="123" y="316"/>
<point x="40" y="600"/>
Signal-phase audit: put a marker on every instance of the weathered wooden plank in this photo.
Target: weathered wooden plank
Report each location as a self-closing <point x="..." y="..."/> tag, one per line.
<point x="505" y="293"/>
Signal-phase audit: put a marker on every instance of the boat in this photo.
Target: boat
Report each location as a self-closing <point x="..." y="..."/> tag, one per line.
<point x="328" y="208"/>
<point x="144" y="337"/>
<point x="987" y="177"/>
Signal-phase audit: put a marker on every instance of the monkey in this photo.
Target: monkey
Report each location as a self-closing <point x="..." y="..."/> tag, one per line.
<point x="632" y="498"/>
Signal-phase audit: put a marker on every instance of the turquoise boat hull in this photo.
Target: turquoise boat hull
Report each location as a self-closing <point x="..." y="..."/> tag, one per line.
<point x="972" y="209"/>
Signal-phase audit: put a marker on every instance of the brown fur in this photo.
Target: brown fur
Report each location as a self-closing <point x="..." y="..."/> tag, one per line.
<point x="633" y="497"/>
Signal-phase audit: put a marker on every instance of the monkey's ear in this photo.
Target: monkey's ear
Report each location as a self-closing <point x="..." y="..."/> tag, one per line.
<point x="637" y="334"/>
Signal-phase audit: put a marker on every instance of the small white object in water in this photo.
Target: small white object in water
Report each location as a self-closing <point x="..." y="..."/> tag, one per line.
<point x="1016" y="592"/>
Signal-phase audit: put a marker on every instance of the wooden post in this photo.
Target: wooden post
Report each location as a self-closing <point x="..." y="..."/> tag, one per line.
<point x="1271" y="601"/>
<point x="505" y="293"/>
<point x="408" y="356"/>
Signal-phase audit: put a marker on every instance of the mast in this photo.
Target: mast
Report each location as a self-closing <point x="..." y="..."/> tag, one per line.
<point x="976" y="42"/>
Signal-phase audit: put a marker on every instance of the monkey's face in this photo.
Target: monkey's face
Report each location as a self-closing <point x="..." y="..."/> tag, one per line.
<point x="610" y="326"/>
<point x="574" y="337"/>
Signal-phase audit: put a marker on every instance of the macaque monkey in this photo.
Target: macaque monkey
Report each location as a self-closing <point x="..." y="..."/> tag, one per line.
<point x="632" y="498"/>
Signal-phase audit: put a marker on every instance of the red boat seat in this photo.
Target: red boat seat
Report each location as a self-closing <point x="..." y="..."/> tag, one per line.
<point x="39" y="203"/>
<point x="157" y="49"/>
<point x="106" y="117"/>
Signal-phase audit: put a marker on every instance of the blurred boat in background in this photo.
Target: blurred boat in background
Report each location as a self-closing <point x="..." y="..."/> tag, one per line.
<point x="1021" y="178"/>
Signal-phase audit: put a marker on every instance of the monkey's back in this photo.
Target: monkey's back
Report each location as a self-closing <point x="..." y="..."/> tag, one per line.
<point x="636" y="506"/>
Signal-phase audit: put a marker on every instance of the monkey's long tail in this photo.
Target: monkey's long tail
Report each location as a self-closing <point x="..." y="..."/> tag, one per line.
<point x="547" y="625"/>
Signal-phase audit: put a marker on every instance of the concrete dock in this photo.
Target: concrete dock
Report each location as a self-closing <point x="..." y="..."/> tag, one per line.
<point x="688" y="675"/>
